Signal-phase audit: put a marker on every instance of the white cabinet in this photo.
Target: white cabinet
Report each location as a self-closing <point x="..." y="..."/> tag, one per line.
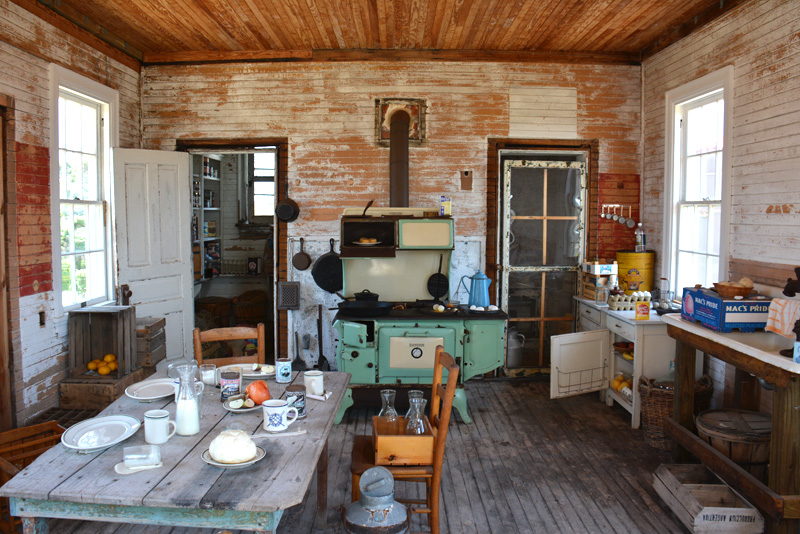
<point x="587" y="361"/>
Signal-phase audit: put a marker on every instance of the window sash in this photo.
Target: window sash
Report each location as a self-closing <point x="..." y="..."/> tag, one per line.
<point x="682" y="255"/>
<point x="94" y="276"/>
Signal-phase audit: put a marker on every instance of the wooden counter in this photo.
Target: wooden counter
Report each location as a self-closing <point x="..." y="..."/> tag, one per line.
<point x="780" y="499"/>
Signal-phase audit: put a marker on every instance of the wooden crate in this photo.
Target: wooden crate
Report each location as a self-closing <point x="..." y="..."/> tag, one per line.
<point x="96" y="392"/>
<point x="95" y="331"/>
<point x="703" y="502"/>
<point x="151" y="338"/>
<point x="394" y="447"/>
<point x="19" y="448"/>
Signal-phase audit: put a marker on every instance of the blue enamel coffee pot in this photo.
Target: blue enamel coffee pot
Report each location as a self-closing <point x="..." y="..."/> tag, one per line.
<point x="478" y="289"/>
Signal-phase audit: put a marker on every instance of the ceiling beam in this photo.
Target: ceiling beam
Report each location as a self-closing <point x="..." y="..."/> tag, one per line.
<point x="79" y="32"/>
<point x="682" y="29"/>
<point x="214" y="56"/>
<point x="330" y="55"/>
<point x="516" y="56"/>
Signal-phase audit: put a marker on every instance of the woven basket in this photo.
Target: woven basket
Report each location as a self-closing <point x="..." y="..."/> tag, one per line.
<point x="658" y="404"/>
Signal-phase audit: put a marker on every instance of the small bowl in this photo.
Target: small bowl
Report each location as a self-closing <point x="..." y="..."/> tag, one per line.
<point x="728" y="292"/>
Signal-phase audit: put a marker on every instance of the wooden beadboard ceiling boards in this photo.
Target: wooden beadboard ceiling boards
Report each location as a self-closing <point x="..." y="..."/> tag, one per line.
<point x="190" y="31"/>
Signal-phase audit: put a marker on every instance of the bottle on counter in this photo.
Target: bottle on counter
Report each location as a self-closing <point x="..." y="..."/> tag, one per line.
<point x="641" y="239"/>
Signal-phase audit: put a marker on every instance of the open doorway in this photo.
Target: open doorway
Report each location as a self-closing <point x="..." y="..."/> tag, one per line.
<point x="233" y="237"/>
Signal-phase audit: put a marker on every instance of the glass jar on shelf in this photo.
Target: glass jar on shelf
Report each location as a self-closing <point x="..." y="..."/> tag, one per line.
<point x="415" y="423"/>
<point x="388" y="411"/>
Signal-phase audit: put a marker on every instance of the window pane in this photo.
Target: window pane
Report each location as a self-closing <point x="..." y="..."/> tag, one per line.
<point x="693" y="228"/>
<point x="89" y="184"/>
<point x="89" y="129"/>
<point x="264" y="164"/>
<point x="83" y="277"/>
<point x="264" y="188"/>
<point x="692" y="270"/>
<point x="692" y="180"/>
<point x="263" y="205"/>
<point x="72" y="129"/>
<point x="705" y="126"/>
<point x="73" y="177"/>
<point x="527" y="186"/>
<point x="81" y="227"/>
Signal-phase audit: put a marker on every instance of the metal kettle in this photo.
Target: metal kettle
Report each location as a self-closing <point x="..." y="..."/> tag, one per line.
<point x="478" y="289"/>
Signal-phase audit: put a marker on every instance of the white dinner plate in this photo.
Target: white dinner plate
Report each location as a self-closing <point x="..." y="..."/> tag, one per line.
<point x="247" y="370"/>
<point x="227" y="405"/>
<point x="99" y="433"/>
<point x="260" y="453"/>
<point x="150" y="390"/>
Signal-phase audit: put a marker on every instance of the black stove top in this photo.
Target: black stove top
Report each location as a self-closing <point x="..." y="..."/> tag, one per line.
<point x="423" y="309"/>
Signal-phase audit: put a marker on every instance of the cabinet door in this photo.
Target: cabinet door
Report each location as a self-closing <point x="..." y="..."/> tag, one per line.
<point x="409" y="352"/>
<point x="483" y="347"/>
<point x="360" y="363"/>
<point x="578" y="363"/>
<point x="425" y="233"/>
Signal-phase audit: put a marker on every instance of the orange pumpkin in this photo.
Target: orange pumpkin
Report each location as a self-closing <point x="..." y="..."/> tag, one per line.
<point x="258" y="391"/>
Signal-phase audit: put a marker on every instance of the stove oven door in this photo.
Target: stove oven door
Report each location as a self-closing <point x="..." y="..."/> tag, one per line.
<point x="406" y="355"/>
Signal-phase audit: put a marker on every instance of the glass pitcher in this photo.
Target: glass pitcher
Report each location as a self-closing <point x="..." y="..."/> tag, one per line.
<point x="416" y="421"/>
<point x="388" y="412"/>
<point x="187" y="399"/>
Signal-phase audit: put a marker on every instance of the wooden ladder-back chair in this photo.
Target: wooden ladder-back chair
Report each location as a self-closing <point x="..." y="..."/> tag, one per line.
<point x="441" y="407"/>
<point x="234" y="333"/>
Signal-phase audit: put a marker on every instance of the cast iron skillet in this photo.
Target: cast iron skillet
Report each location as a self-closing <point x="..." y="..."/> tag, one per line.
<point x="287" y="209"/>
<point x="327" y="271"/>
<point x="438" y="283"/>
<point x="301" y="260"/>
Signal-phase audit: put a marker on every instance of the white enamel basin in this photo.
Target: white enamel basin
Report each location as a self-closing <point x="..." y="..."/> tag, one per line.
<point x="766" y="341"/>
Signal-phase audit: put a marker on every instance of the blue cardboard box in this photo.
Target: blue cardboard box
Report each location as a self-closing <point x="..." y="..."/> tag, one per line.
<point x="724" y="315"/>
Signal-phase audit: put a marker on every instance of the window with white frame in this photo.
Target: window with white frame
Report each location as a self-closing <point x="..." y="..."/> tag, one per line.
<point x="695" y="251"/>
<point x="262" y="185"/>
<point x="83" y="232"/>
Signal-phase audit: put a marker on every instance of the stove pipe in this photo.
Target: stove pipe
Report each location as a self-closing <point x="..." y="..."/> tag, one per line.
<point x="398" y="159"/>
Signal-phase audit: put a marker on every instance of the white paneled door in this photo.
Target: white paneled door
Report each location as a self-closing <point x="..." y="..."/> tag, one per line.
<point x="151" y="203"/>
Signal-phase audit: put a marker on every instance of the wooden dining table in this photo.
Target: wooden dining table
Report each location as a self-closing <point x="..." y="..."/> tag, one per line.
<point x="185" y="491"/>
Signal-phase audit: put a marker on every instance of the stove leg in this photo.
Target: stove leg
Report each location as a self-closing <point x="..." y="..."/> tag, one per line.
<point x="347" y="402"/>
<point x="460" y="404"/>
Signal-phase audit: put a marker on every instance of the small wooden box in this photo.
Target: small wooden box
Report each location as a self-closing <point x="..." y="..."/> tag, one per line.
<point x="96" y="392"/>
<point x="95" y="331"/>
<point x="394" y="447"/>
<point x="702" y="502"/>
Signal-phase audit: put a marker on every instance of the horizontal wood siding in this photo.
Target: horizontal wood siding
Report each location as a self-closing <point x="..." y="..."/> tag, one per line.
<point x="761" y="39"/>
<point x="27" y="46"/>
<point x="327" y="112"/>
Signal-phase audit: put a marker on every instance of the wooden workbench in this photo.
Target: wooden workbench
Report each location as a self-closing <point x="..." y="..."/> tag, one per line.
<point x="780" y="499"/>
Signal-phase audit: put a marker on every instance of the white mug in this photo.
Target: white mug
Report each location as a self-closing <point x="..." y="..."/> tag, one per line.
<point x="156" y="427"/>
<point x="314" y="382"/>
<point x="276" y="415"/>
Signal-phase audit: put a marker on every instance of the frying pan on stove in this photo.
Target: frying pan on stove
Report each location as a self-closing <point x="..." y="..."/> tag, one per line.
<point x="438" y="284"/>
<point x="327" y="271"/>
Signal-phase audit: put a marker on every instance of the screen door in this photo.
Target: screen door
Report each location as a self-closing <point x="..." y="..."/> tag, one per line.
<point x="542" y="246"/>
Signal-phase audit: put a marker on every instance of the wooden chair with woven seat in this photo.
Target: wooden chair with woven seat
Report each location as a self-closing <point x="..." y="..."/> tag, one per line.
<point x="233" y="333"/>
<point x="363" y="455"/>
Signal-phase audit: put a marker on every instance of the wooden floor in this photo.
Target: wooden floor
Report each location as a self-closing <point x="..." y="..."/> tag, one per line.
<point x="526" y="465"/>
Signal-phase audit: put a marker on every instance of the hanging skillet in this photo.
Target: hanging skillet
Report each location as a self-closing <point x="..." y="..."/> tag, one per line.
<point x="301" y="260"/>
<point x="287" y="209"/>
<point x="327" y="271"/>
<point x="438" y="284"/>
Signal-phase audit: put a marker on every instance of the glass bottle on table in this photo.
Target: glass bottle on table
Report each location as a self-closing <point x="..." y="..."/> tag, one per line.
<point x="415" y="424"/>
<point x="413" y="394"/>
<point x="388" y="411"/>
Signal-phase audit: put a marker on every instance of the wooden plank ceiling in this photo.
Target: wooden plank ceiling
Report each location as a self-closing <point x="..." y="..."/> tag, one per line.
<point x="167" y="31"/>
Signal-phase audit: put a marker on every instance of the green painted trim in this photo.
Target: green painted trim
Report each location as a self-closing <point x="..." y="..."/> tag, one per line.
<point x="344" y="405"/>
<point x="184" y="517"/>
